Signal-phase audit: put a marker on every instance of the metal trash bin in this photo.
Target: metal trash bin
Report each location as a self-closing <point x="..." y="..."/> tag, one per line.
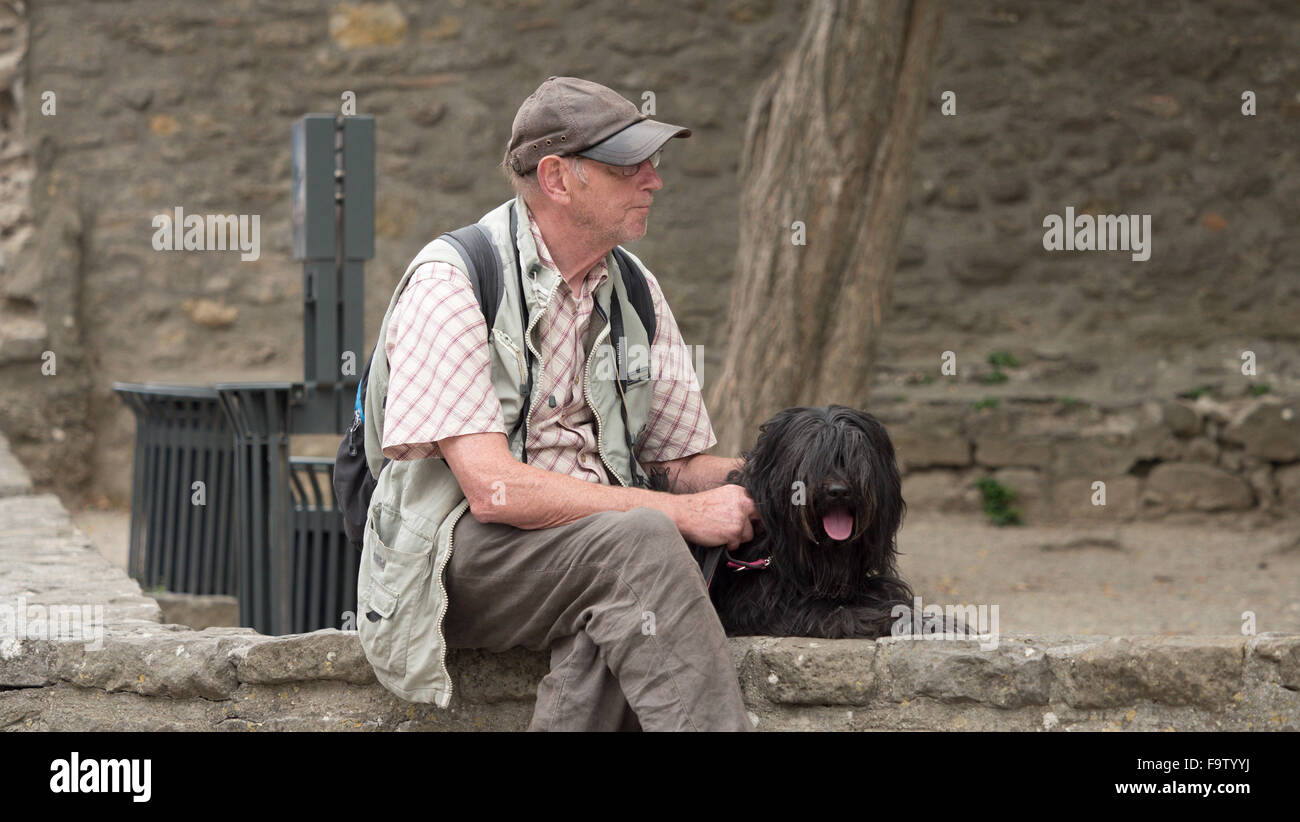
<point x="259" y="417"/>
<point x="182" y="534"/>
<point x="296" y="567"/>
<point x="325" y="564"/>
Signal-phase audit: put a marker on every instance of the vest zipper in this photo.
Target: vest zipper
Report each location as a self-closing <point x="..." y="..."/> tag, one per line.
<point x="528" y="339"/>
<point x="451" y="537"/>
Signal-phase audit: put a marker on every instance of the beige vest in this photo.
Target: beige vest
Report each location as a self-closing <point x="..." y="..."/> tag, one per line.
<point x="401" y="598"/>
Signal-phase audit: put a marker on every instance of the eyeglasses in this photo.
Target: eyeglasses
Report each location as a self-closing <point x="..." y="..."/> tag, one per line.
<point x="630" y="171"/>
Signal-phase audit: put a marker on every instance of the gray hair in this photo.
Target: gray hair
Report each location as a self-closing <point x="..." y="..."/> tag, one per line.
<point x="577" y="170"/>
<point x="526" y="185"/>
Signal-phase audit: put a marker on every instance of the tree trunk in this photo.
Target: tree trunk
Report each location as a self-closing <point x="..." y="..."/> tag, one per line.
<point x="829" y="144"/>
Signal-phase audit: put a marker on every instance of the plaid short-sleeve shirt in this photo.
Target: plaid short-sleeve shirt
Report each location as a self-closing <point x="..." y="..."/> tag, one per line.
<point x="440" y="383"/>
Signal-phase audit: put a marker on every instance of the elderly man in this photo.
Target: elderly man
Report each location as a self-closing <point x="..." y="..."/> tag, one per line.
<point x="515" y="427"/>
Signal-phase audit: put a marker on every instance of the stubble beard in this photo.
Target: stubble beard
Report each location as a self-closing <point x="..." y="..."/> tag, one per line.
<point x="597" y="226"/>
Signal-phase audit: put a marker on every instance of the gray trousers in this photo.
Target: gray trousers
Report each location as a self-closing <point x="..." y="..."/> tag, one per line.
<point x="621" y="604"/>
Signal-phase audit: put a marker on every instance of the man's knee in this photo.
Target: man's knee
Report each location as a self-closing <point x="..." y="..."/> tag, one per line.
<point x="638" y="533"/>
<point x="651" y="525"/>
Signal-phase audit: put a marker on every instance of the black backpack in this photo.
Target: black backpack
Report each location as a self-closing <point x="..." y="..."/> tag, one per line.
<point x="354" y="485"/>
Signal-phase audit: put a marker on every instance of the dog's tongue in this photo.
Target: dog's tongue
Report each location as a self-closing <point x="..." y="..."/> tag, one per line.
<point x="838" y="524"/>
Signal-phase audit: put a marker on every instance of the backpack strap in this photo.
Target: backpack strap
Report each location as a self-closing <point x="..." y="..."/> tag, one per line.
<point x="483" y="267"/>
<point x="475" y="246"/>
<point x="527" y="387"/>
<point x="638" y="291"/>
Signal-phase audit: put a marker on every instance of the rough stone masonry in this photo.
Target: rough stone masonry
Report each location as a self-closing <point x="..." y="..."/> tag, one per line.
<point x="1108" y="108"/>
<point x="154" y="676"/>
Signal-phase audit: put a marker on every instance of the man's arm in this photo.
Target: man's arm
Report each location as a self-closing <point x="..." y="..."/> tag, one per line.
<point x="502" y="489"/>
<point x="698" y="472"/>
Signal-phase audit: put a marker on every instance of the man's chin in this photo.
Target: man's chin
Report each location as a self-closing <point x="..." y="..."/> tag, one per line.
<point x="637" y="229"/>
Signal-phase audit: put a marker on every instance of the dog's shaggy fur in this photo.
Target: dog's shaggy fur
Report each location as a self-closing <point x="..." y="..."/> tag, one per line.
<point x="816" y="470"/>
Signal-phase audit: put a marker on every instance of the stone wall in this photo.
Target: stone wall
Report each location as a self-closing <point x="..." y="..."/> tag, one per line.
<point x="121" y="668"/>
<point x="1109" y="108"/>
<point x="234" y="680"/>
<point x="1097" y="105"/>
<point x="1179" y="456"/>
<point x="16" y="168"/>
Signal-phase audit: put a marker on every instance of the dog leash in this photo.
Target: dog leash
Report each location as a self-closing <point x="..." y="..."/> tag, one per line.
<point x="709" y="559"/>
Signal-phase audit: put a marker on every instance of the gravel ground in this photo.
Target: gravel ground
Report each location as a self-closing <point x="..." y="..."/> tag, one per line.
<point x="1144" y="578"/>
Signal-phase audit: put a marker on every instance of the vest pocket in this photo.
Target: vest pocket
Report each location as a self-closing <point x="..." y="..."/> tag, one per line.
<point x="397" y="592"/>
<point x="512" y="357"/>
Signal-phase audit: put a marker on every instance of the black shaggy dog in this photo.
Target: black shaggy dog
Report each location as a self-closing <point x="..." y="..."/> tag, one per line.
<point x="826" y="485"/>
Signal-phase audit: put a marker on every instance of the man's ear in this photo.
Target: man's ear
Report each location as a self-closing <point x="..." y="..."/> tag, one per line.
<point x="554" y="179"/>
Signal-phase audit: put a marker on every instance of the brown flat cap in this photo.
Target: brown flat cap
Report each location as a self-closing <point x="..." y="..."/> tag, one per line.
<point x="569" y="115"/>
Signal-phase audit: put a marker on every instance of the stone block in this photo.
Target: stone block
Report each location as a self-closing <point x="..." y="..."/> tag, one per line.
<point x="1105" y="455"/>
<point x="1282" y="651"/>
<point x="1179" y="670"/>
<point x="1202" y="450"/>
<point x="1287" y="478"/>
<point x="362" y="25"/>
<point x="1195" y="487"/>
<point x="918" y="449"/>
<point x="1073" y="499"/>
<point x="945" y="491"/>
<point x="177" y="666"/>
<point x="800" y="671"/>
<point x="324" y="654"/>
<point x="22" y="341"/>
<point x="27" y="663"/>
<point x="1155" y="441"/>
<point x="1269" y="432"/>
<point x="1009" y="676"/>
<point x="482" y="677"/>
<point x="14" y="479"/>
<point x="1013" y="450"/>
<point x="1181" y="418"/>
<point x="985" y="263"/>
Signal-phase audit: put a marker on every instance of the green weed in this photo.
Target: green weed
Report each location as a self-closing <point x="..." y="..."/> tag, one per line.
<point x="998" y="502"/>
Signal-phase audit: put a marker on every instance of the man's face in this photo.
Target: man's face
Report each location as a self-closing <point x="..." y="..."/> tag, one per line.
<point x="613" y="207"/>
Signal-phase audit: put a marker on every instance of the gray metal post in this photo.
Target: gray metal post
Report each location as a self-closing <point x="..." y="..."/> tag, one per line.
<point x="333" y="235"/>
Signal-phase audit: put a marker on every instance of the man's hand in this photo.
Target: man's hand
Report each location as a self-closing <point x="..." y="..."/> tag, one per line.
<point x="720" y="516"/>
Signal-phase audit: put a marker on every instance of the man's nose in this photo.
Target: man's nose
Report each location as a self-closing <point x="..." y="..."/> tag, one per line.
<point x="653" y="182"/>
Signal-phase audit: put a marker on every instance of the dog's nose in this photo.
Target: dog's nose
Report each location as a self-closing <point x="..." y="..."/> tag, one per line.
<point x="837" y="492"/>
